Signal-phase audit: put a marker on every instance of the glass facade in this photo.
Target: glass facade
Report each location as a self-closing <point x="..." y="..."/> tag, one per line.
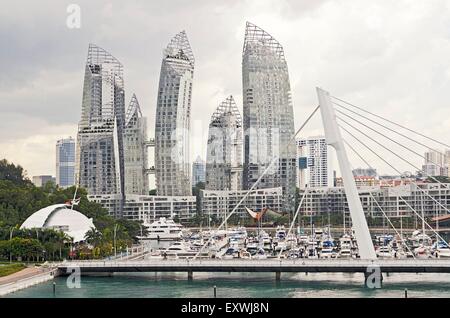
<point x="135" y="151"/>
<point x="224" y="149"/>
<point x="173" y="119"/>
<point x="268" y="115"/>
<point x="198" y="171"/>
<point x="65" y="162"/>
<point x="100" y="158"/>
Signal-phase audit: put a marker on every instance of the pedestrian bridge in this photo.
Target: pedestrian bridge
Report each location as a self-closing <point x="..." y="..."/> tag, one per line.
<point x="257" y="266"/>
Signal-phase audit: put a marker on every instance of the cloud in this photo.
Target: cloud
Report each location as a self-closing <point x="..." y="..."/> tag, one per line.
<point x="390" y="57"/>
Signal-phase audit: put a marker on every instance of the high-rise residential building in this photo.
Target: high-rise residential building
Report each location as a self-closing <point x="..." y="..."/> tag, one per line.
<point x="268" y="115"/>
<point x="100" y="157"/>
<point x="40" y="181"/>
<point x="302" y="163"/>
<point x="222" y="203"/>
<point x="173" y="117"/>
<point x="224" y="149"/>
<point x="314" y="163"/>
<point x="65" y="162"/>
<point x="319" y="171"/>
<point x="365" y="172"/>
<point x="135" y="150"/>
<point x="198" y="171"/>
<point x="434" y="164"/>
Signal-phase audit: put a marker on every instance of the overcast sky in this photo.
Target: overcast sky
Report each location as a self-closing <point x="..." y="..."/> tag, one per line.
<point x="390" y="57"/>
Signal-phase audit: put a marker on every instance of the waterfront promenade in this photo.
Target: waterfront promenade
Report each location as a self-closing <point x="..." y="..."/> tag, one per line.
<point x="25" y="278"/>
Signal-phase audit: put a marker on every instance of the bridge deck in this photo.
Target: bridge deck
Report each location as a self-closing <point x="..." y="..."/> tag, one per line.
<point x="269" y="265"/>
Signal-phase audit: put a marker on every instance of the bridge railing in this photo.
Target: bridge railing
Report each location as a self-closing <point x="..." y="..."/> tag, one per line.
<point x="256" y="263"/>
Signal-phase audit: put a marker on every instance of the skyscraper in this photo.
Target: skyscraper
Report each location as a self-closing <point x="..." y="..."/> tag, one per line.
<point x="268" y="115"/>
<point x="434" y="164"/>
<point x="65" y="162"/>
<point x="318" y="161"/>
<point x="224" y="150"/>
<point x="100" y="158"/>
<point x="173" y="118"/>
<point x="302" y="163"/>
<point x="198" y="171"/>
<point x="135" y="150"/>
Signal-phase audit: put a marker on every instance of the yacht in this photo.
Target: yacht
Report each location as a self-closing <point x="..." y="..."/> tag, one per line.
<point x="281" y="246"/>
<point x="384" y="239"/>
<point x="265" y="240"/>
<point x="280" y="233"/>
<point x="318" y="232"/>
<point x="345" y="243"/>
<point x="180" y="249"/>
<point x="327" y="250"/>
<point x="303" y="239"/>
<point x="239" y="233"/>
<point x="422" y="251"/>
<point x="385" y="252"/>
<point x="418" y="239"/>
<point x="440" y="249"/>
<point x="163" y="229"/>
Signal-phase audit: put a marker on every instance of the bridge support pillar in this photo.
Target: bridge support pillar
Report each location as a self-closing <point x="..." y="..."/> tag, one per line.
<point x="278" y="276"/>
<point x="190" y="275"/>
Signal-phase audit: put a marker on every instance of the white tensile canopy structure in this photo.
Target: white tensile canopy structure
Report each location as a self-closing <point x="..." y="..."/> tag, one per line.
<point x="60" y="217"/>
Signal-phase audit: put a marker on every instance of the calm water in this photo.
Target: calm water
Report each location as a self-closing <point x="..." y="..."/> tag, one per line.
<point x="238" y="285"/>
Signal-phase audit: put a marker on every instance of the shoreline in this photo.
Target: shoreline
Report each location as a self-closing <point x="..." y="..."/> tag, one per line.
<point x="25" y="278"/>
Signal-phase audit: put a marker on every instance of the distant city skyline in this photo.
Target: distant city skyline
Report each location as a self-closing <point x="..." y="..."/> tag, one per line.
<point x="41" y="91"/>
<point x="65" y="162"/>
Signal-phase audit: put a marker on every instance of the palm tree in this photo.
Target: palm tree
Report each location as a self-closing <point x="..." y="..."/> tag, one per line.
<point x="93" y="237"/>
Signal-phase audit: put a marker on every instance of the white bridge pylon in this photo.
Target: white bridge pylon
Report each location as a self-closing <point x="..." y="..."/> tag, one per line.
<point x="334" y="139"/>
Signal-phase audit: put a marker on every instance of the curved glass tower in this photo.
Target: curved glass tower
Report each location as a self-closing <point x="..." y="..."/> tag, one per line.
<point x="172" y="127"/>
<point x="268" y="115"/>
<point x="135" y="136"/>
<point x="100" y="158"/>
<point x="224" y="150"/>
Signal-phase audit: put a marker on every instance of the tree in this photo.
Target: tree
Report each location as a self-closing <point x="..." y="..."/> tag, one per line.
<point x="196" y="192"/>
<point x="11" y="172"/>
<point x="93" y="237"/>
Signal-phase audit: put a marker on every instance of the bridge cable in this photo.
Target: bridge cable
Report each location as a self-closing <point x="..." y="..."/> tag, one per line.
<point x="394" y="123"/>
<point x="386" y="127"/>
<point x="400" y="173"/>
<point x="293" y="221"/>
<point x="423" y="220"/>
<point x="395" y="169"/>
<point x="392" y="140"/>
<point x="376" y="202"/>
<point x="397" y="155"/>
<point x="274" y="159"/>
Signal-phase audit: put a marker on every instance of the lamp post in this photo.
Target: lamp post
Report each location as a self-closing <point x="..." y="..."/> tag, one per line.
<point x="115" y="247"/>
<point x="10" y="238"/>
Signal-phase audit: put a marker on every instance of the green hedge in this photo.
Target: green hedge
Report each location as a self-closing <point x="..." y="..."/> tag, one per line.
<point x="9" y="269"/>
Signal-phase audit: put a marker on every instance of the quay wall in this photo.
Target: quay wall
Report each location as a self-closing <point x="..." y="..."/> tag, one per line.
<point x="27" y="282"/>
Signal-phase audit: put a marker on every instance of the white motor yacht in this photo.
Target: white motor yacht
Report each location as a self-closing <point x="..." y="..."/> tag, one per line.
<point x="441" y="249"/>
<point x="419" y="238"/>
<point x="180" y="249"/>
<point x="385" y="252"/>
<point x="163" y="229"/>
<point x="280" y="233"/>
<point x="422" y="251"/>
